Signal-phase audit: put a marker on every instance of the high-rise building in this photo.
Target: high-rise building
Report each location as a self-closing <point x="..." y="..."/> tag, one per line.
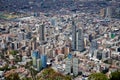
<point x="71" y="65"/>
<point x="42" y="49"/>
<point x="34" y="61"/>
<point x="75" y="66"/>
<point x="39" y="64"/>
<point x="73" y="36"/>
<point x="41" y="32"/>
<point x="108" y="13"/>
<point x="35" y="56"/>
<point x="34" y="45"/>
<point x="79" y="40"/>
<point x="44" y="61"/>
<point x="93" y="47"/>
<point x="68" y="66"/>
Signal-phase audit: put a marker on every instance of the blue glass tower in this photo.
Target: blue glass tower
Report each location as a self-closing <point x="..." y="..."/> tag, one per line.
<point x="44" y="61"/>
<point x="35" y="56"/>
<point x="39" y="64"/>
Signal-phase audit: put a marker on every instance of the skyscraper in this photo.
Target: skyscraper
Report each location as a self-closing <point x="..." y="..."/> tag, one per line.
<point x="35" y="56"/>
<point x="44" y="61"/>
<point x="75" y="66"/>
<point x="93" y="47"/>
<point x="42" y="32"/>
<point x="79" y="40"/>
<point x="34" y="45"/>
<point x="73" y="36"/>
<point x="68" y="66"/>
<point x="108" y="13"/>
<point x="39" y="64"/>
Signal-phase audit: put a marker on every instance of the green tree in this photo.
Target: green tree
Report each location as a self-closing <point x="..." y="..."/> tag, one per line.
<point x="50" y="74"/>
<point x="67" y="77"/>
<point x="4" y="68"/>
<point x="12" y="76"/>
<point x="115" y="75"/>
<point x="27" y="79"/>
<point x="97" y="76"/>
<point x="13" y="52"/>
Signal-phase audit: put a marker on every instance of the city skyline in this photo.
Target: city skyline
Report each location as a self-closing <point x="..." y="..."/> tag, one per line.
<point x="59" y="39"/>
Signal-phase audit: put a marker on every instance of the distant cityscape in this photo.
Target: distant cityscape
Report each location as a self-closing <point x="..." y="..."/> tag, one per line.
<point x="59" y="39"/>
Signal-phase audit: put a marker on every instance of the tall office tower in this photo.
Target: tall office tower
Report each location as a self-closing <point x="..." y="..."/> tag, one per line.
<point x="68" y="66"/>
<point x="42" y="32"/>
<point x="79" y="40"/>
<point x="42" y="49"/>
<point x="35" y="56"/>
<point x="73" y="36"/>
<point x="108" y="13"/>
<point x="39" y="64"/>
<point x="44" y="60"/>
<point x="34" y="45"/>
<point x="93" y="47"/>
<point x="75" y="66"/>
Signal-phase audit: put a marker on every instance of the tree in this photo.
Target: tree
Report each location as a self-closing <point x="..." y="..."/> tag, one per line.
<point x="27" y="79"/>
<point x="115" y="75"/>
<point x="33" y="73"/>
<point x="4" y="68"/>
<point x="12" y="76"/>
<point x="97" y="76"/>
<point x="67" y="77"/>
<point x="50" y="74"/>
<point x="13" y="52"/>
